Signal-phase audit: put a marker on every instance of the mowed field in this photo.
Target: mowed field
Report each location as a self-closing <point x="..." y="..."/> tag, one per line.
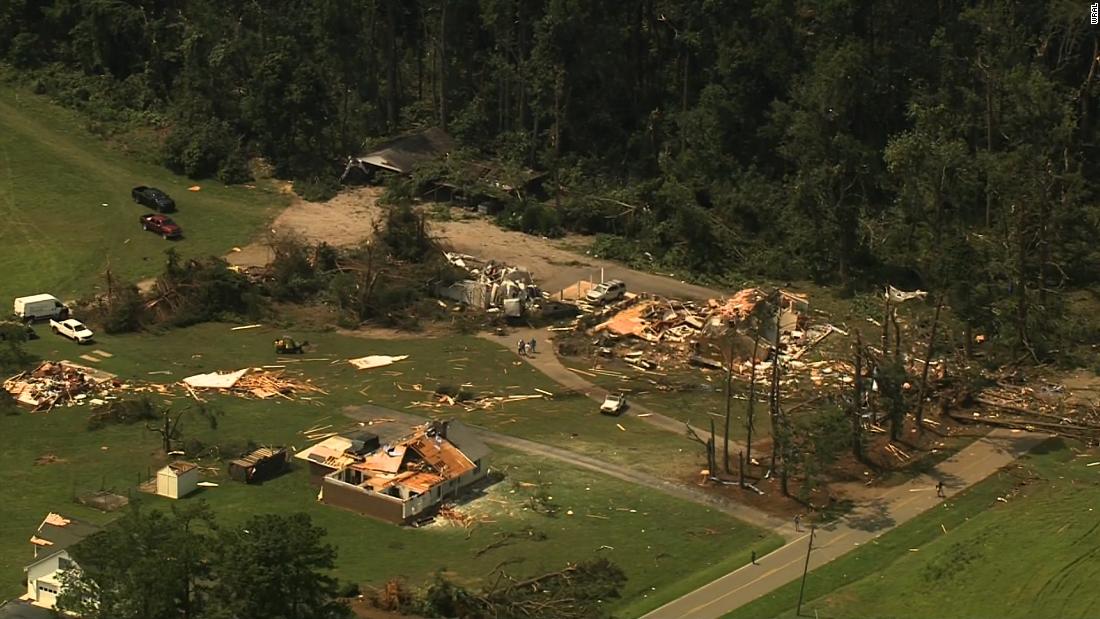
<point x="1032" y="554"/>
<point x="66" y="212"/>
<point x="666" y="546"/>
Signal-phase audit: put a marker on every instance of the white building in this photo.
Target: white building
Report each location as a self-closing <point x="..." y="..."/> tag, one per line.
<point x="177" y="480"/>
<point x="51" y="542"/>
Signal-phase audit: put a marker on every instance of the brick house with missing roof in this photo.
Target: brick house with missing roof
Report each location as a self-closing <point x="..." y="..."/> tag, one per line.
<point x="410" y="477"/>
<point x="52" y="541"/>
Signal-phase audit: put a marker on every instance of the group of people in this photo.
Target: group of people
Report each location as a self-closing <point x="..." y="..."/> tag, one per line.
<point x="526" y="348"/>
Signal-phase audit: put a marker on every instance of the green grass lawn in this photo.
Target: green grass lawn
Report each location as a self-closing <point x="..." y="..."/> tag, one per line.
<point x="57" y="236"/>
<point x="568" y="420"/>
<point x="667" y="546"/>
<point x="684" y="394"/>
<point x="1034" y="556"/>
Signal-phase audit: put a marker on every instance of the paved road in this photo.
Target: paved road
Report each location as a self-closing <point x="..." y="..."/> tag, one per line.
<point x="898" y="505"/>
<point x="548" y="363"/>
<point x="680" y="490"/>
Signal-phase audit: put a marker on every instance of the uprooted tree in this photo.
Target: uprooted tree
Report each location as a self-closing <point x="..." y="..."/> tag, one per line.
<point x="576" y="591"/>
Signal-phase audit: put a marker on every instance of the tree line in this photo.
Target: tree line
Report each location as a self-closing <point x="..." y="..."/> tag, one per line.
<point x="950" y="145"/>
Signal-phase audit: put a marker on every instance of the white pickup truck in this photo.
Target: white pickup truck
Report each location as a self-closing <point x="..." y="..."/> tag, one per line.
<point x="72" y="329"/>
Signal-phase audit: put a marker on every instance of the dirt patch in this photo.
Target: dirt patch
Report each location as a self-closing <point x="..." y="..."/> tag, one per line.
<point x="349" y="218"/>
<point x="48" y="459"/>
<point x="345" y="220"/>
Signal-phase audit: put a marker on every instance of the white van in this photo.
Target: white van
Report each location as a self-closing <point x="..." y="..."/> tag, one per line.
<point x="39" y="307"/>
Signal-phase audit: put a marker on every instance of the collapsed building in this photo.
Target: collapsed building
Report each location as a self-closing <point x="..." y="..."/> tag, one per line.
<point x="488" y="185"/>
<point x="59" y="383"/>
<point x="402" y="481"/>
<point x="752" y="313"/>
<point x="492" y="285"/>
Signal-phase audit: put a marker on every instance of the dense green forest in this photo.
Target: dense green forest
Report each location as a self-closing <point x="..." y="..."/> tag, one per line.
<point x="946" y="144"/>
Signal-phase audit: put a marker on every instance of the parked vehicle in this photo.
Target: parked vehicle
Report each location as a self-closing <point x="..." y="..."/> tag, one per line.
<point x="162" y="225"/>
<point x="10" y="326"/>
<point x="153" y="198"/>
<point x="72" y="329"/>
<point x="38" y="307"/>
<point x="611" y="290"/>
<point x="614" y="404"/>
<point x="287" y="345"/>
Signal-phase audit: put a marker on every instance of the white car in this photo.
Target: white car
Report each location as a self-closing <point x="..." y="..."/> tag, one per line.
<point x="611" y="290"/>
<point x="72" y="329"/>
<point x="613" y="404"/>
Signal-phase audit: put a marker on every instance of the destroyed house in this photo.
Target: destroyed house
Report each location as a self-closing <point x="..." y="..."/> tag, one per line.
<point x="470" y="180"/>
<point x="52" y="541"/>
<point x="403" y="154"/>
<point x="400" y="482"/>
<point x="336" y="452"/>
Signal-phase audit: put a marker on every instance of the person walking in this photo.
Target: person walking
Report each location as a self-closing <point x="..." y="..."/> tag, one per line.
<point x="531" y="346"/>
<point x="798" y="523"/>
<point x="754" y="558"/>
<point x="939" y="490"/>
<point x="522" y="347"/>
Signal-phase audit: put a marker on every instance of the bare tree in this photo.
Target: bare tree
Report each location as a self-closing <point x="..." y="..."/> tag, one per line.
<point x="857" y="402"/>
<point x="169" y="427"/>
<point x="927" y="362"/>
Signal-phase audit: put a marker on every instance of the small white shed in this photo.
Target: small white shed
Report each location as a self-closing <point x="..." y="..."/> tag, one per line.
<point x="177" y="480"/>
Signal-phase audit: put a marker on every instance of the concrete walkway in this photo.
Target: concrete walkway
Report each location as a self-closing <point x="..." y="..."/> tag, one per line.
<point x="896" y="506"/>
<point x="547" y="362"/>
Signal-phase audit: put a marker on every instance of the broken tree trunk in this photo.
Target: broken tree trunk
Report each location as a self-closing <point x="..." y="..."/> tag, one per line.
<point x="927" y="363"/>
<point x="857" y="404"/>
<point x="713" y="465"/>
<point x="726" y="428"/>
<point x="773" y="395"/>
<point x="886" y="325"/>
<point x="897" y="336"/>
<point x="750" y="414"/>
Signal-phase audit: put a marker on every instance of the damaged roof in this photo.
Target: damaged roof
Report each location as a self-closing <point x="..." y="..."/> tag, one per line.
<point x="403" y="154"/>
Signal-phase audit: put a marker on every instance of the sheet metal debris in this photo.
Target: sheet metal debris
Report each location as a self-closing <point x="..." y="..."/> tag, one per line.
<point x="375" y="361"/>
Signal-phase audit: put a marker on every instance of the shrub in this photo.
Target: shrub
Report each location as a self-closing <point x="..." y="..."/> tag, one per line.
<point x="12" y="337"/>
<point x="203" y="290"/>
<point x="124" y="312"/>
<point x="125" y="412"/>
<point x="317" y="188"/>
<point x="206" y="149"/>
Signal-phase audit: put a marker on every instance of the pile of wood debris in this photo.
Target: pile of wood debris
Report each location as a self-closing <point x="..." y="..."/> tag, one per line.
<point x="60" y="384"/>
<point x="251" y="383"/>
<point x="1046" y="408"/>
<point x="653" y="334"/>
<point x="472" y="402"/>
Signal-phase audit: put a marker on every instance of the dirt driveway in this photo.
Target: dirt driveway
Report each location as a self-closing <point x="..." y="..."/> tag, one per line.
<point x="349" y="218"/>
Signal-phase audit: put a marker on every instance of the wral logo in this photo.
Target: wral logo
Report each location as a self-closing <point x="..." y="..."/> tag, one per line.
<point x="1094" y="13"/>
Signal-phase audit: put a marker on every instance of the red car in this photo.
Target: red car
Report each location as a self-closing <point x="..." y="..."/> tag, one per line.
<point x="162" y="225"/>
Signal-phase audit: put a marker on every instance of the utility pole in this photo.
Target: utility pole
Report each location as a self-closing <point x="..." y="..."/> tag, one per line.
<point x="805" y="570"/>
